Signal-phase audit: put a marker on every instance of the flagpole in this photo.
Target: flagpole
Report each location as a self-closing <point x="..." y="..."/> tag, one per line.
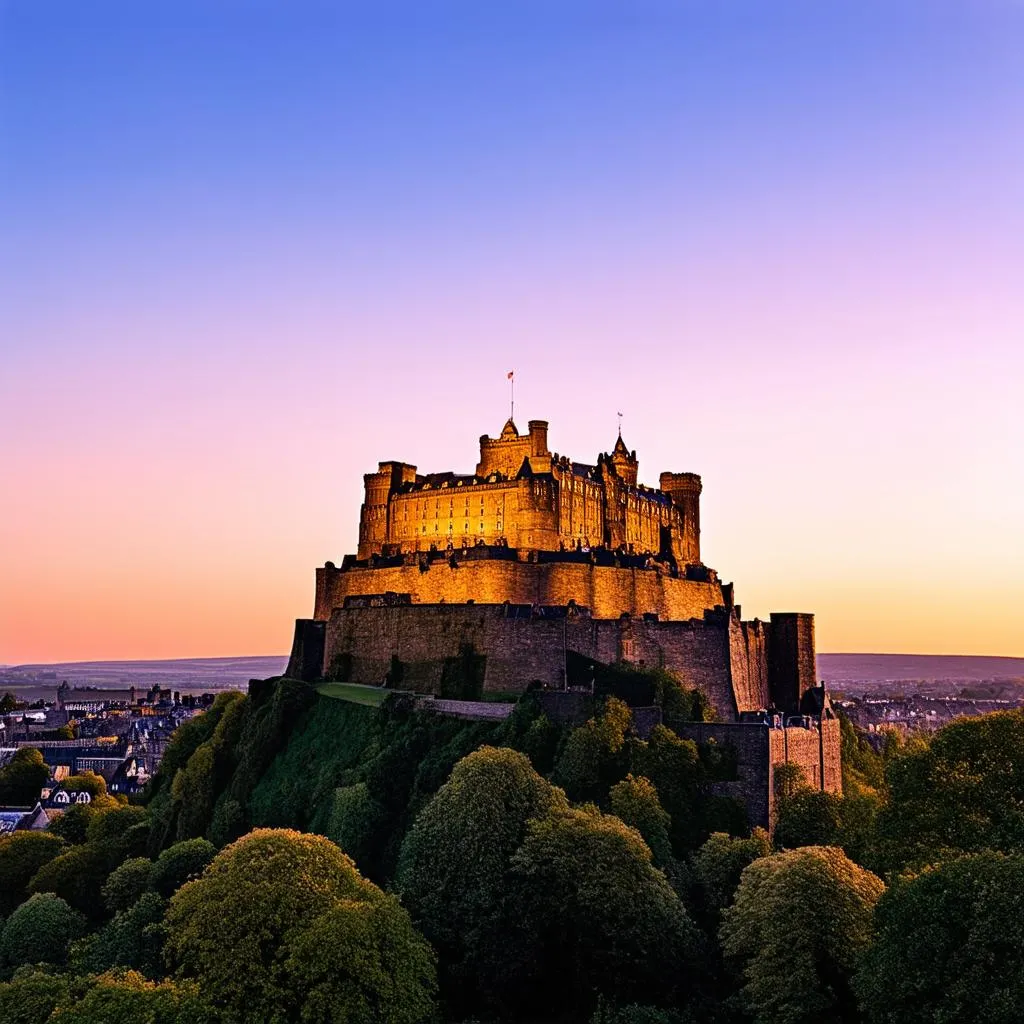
<point x="512" y="395"/>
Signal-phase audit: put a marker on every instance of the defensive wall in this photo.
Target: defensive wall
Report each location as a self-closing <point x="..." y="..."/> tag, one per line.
<point x="812" y="742"/>
<point x="608" y="591"/>
<point x="726" y="658"/>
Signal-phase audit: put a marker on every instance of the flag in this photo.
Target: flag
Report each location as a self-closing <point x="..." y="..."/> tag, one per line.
<point x="510" y="372"/>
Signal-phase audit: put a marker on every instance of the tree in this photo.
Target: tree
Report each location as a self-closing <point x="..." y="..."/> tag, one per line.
<point x="8" y="703"/>
<point x="673" y="766"/>
<point x="22" y="778"/>
<point x="134" y="938"/>
<point x="958" y="793"/>
<point x="22" y="854"/>
<point x="636" y="1014"/>
<point x="720" y="862"/>
<point x="593" y="757"/>
<point x="236" y="929"/>
<point x="126" y="883"/>
<point x="949" y="945"/>
<point x="126" y="997"/>
<point x="31" y="995"/>
<point x="796" y="930"/>
<point x="635" y="801"/>
<point x="454" y="862"/>
<point x="86" y="782"/>
<point x="179" y="863"/>
<point x="78" y="876"/>
<point x="591" y="915"/>
<point x="363" y="962"/>
<point x="39" y="932"/>
<point x="809" y="817"/>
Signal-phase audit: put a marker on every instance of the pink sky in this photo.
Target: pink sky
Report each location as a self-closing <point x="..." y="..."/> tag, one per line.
<point x="235" y="281"/>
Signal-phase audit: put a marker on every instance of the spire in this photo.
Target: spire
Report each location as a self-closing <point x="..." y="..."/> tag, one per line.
<point x="509" y="430"/>
<point x="620" y="445"/>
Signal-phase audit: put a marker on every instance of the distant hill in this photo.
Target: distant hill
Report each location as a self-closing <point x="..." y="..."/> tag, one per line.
<point x="936" y="673"/>
<point x="851" y="672"/>
<point x="188" y="674"/>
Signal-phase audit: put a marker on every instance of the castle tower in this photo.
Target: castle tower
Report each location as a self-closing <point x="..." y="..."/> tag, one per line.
<point x="625" y="463"/>
<point x="373" y="515"/>
<point x="684" y="489"/>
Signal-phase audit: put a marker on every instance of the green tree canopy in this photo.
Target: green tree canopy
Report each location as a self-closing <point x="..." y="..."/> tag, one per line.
<point x="22" y="854"/>
<point x="235" y="930"/>
<point x="949" y="945"/>
<point x="22" y="778"/>
<point x="795" y="932"/>
<point x="78" y="876"/>
<point x="594" y="755"/>
<point x="126" y="883"/>
<point x="31" y="996"/>
<point x="593" y="916"/>
<point x="635" y="801"/>
<point x="40" y="932"/>
<point x="179" y="863"/>
<point x="134" y="938"/>
<point x="719" y="863"/>
<point x="809" y="817"/>
<point x="959" y="793"/>
<point x="126" y="997"/>
<point x="454" y="861"/>
<point x="362" y="963"/>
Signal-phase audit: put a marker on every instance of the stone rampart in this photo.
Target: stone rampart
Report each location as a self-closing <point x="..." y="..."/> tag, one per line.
<point x="606" y="590"/>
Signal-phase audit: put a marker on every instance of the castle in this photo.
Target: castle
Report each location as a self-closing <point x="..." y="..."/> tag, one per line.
<point x="532" y="570"/>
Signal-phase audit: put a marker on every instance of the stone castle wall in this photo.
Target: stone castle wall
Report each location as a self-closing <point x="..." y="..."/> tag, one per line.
<point x="361" y="644"/>
<point x="760" y="750"/>
<point x="607" y="591"/>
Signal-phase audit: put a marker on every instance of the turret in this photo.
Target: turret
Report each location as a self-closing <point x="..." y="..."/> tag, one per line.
<point x="684" y="489"/>
<point x="625" y="463"/>
<point x="373" y="516"/>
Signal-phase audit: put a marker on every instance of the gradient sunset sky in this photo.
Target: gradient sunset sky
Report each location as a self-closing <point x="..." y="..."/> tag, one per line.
<point x="248" y="250"/>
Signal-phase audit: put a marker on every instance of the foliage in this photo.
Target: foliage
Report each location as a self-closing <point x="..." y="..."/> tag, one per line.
<point x="86" y="782"/>
<point x="809" y="817"/>
<point x="39" y="931"/>
<point x="179" y="863"/>
<point x="78" y="876"/>
<point x="454" y="864"/>
<point x="270" y="889"/>
<point x="354" y="822"/>
<point x="363" y="962"/>
<point x="798" y="924"/>
<point x="126" y="883"/>
<point x="134" y="938"/>
<point x="31" y="995"/>
<point x="673" y="766"/>
<point x="126" y="997"/>
<point x="720" y="862"/>
<point x="959" y="793"/>
<point x="22" y="854"/>
<point x="593" y="916"/>
<point x="72" y="824"/>
<point x="949" y="945"/>
<point x="119" y="825"/>
<point x="22" y="778"/>
<point x="635" y="801"/>
<point x="187" y="739"/>
<point x="636" y="1014"/>
<point x="594" y="756"/>
<point x="8" y="703"/>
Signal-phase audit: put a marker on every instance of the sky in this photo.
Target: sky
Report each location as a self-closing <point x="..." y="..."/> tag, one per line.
<point x="250" y="249"/>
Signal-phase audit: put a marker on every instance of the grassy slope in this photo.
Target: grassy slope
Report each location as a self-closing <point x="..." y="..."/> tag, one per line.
<point x="371" y="696"/>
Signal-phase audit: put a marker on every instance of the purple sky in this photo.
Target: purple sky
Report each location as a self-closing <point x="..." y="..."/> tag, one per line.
<point x="249" y="250"/>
